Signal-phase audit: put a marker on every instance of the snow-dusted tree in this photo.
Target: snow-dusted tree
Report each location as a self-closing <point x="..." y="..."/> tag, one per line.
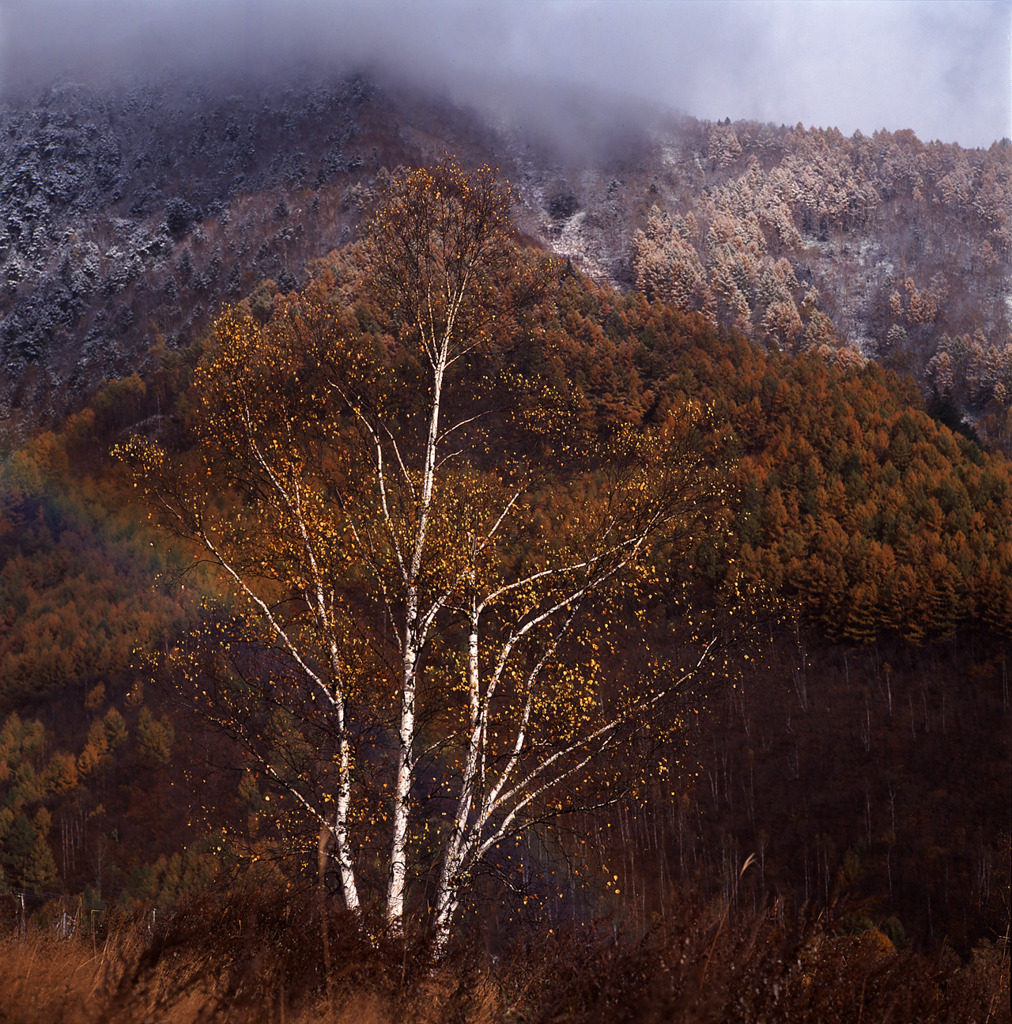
<point x="406" y="663"/>
<point x="734" y="251"/>
<point x="722" y="145"/>
<point x="667" y="264"/>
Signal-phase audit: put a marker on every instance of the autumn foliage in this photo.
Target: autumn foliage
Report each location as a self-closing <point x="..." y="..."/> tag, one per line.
<point x="877" y="538"/>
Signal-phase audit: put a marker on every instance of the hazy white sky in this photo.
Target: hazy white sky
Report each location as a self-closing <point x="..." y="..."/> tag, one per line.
<point x="943" y="67"/>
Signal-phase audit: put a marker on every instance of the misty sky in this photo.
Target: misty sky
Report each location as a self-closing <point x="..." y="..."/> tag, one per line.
<point x="941" y="68"/>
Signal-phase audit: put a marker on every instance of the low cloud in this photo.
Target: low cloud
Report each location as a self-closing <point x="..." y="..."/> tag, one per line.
<point x="940" y="68"/>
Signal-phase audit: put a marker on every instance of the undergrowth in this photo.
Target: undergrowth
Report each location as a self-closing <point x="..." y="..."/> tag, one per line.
<point x="257" y="954"/>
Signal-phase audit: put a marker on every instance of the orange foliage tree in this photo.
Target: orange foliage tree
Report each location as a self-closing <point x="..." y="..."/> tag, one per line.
<point x="406" y="663"/>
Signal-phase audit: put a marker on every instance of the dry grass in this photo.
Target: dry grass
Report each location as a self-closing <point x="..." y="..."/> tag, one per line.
<point x="254" y="955"/>
<point x="47" y="979"/>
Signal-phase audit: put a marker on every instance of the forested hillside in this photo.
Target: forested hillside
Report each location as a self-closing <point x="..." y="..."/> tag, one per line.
<point x="129" y="214"/>
<point x="830" y="789"/>
<point x="901" y="247"/>
<point x="852" y="508"/>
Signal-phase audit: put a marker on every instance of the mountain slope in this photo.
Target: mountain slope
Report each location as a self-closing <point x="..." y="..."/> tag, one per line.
<point x="862" y="753"/>
<point x="129" y="215"/>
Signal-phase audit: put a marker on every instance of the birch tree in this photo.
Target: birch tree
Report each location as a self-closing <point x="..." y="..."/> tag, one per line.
<point x="411" y="662"/>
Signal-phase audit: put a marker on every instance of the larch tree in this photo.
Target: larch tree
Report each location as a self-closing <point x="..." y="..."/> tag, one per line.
<point x="415" y="658"/>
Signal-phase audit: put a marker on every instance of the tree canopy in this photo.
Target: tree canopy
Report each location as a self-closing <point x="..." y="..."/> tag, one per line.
<point x="405" y="659"/>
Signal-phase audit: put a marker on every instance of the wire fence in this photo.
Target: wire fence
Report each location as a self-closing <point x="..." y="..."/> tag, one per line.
<point x="67" y="915"/>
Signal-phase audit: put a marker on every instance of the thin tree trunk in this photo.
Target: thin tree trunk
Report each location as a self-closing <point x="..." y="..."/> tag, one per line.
<point x="447" y="892"/>
<point x="402" y="786"/>
<point x="413" y="641"/>
<point x="345" y="862"/>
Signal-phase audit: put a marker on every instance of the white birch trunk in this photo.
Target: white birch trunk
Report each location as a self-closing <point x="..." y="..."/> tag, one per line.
<point x="415" y="630"/>
<point x="346" y="866"/>
<point x="402" y="784"/>
<point x="450" y="880"/>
